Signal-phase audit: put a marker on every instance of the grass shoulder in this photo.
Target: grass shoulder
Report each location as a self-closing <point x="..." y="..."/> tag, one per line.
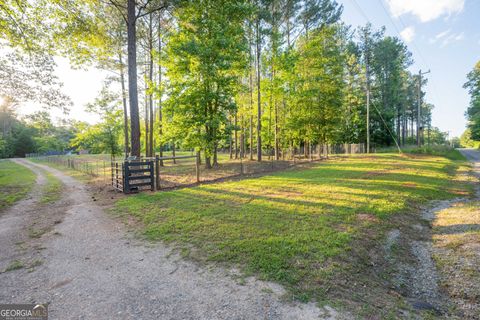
<point x="15" y="183"/>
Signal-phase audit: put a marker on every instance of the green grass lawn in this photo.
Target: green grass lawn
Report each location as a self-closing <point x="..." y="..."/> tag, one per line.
<point x="298" y="227"/>
<point x="15" y="182"/>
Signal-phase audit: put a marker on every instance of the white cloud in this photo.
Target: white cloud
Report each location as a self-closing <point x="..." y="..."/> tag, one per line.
<point x="425" y="10"/>
<point x="452" y="37"/>
<point x="442" y="34"/>
<point x="439" y="36"/>
<point x="447" y="37"/>
<point x="407" y="34"/>
<point x="459" y="36"/>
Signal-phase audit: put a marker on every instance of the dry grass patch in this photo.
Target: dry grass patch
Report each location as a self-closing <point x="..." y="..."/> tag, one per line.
<point x="456" y="235"/>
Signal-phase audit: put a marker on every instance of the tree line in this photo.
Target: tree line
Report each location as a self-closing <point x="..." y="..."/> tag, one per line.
<point x="37" y="133"/>
<point x="256" y="77"/>
<point x="471" y="137"/>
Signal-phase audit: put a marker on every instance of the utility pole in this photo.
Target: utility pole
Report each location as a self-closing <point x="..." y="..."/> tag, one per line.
<point x="367" y="75"/>
<point x="368" y="109"/>
<point x="419" y="105"/>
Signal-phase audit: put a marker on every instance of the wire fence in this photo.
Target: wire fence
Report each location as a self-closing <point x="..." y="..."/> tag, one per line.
<point x="187" y="168"/>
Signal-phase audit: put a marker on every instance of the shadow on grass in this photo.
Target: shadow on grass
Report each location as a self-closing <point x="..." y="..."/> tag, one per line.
<point x="297" y="227"/>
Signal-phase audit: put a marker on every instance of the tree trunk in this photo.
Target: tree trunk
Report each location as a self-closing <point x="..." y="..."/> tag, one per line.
<point x="146" y="120"/>
<point x="150" y="77"/>
<point x="251" y="95"/>
<point x="160" y="111"/>
<point x="404" y="125"/>
<point x="251" y="137"/>
<point x="259" y="96"/>
<point x="277" y="151"/>
<point x="398" y="124"/>
<point x="208" y="164"/>
<point x="215" y="154"/>
<point x="230" y="144"/>
<point x="235" y="123"/>
<point x="124" y="102"/>
<point x="242" y="139"/>
<point x="411" y="128"/>
<point x="132" y="79"/>
<point x="269" y="131"/>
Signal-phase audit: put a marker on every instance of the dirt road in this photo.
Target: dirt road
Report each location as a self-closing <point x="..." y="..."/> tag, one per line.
<point x="89" y="267"/>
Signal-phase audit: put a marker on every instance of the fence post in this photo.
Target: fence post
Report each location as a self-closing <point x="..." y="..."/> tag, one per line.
<point x="152" y="181"/>
<point x="115" y="175"/>
<point x="157" y="172"/>
<point x="197" y="166"/>
<point x="271" y="160"/>
<point x="126" y="174"/>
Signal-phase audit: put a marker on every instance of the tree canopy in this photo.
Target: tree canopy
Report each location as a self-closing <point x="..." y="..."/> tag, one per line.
<point x="268" y="77"/>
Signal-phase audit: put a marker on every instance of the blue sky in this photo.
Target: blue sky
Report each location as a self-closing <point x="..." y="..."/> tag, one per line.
<point x="443" y="36"/>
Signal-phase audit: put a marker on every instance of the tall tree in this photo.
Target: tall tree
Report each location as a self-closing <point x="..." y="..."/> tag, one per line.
<point x="206" y="55"/>
<point x="134" y="11"/>
<point x="319" y="87"/>
<point x="473" y="111"/>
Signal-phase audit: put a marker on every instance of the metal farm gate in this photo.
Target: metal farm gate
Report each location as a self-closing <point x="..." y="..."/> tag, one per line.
<point x="133" y="176"/>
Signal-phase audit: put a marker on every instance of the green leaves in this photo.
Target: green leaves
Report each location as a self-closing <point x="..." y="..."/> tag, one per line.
<point x="205" y="56"/>
<point x="473" y="112"/>
<point x="319" y="86"/>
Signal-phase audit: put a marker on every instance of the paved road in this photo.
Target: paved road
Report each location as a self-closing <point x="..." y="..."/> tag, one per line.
<point x="93" y="269"/>
<point x="471" y="154"/>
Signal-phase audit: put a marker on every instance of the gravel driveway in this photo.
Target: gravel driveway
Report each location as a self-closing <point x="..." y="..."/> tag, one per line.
<point x="92" y="268"/>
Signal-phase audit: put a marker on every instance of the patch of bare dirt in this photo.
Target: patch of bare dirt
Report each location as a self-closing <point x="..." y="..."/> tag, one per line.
<point x="367" y="217"/>
<point x="409" y="185"/>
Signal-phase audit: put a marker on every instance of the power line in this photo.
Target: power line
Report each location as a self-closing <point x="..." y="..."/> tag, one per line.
<point x="399" y="33"/>
<point x="378" y="111"/>
<point x="360" y="10"/>
<point x="417" y="49"/>
<point x="388" y="129"/>
<point x="389" y="18"/>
